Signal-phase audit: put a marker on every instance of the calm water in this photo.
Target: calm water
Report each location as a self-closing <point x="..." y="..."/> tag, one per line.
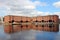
<point x="29" y="35"/>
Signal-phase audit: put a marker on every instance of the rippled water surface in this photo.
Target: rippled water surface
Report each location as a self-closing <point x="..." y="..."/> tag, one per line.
<point x="29" y="35"/>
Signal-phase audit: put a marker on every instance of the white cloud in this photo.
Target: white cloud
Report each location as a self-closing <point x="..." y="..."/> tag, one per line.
<point x="29" y="7"/>
<point x="24" y="4"/>
<point x="57" y="13"/>
<point x="24" y="8"/>
<point x="21" y="6"/>
<point x="38" y="3"/>
<point x="57" y="4"/>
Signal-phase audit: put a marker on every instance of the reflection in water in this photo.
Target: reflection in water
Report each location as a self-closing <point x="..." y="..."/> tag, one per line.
<point x="41" y="27"/>
<point x="28" y="35"/>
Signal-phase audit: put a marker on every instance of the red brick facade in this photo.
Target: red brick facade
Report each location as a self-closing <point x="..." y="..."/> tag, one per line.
<point x="45" y="23"/>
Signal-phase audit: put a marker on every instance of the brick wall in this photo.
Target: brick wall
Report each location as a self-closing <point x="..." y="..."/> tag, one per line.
<point x="32" y="20"/>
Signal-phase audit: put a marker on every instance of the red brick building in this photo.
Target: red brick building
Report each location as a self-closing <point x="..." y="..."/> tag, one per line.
<point x="45" y="23"/>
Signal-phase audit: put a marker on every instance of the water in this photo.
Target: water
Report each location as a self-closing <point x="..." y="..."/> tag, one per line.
<point x="29" y="35"/>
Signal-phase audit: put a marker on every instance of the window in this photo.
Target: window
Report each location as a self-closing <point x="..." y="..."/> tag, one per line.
<point x="50" y="20"/>
<point x="36" y="21"/>
<point x="45" y="21"/>
<point x="42" y="20"/>
<point x="12" y="20"/>
<point x="21" y="21"/>
<point x="42" y="25"/>
<point x="26" y="25"/>
<point x="9" y="21"/>
<point x="21" y="26"/>
<point x="39" y="21"/>
<point x="50" y="25"/>
<point x="36" y="25"/>
<point x="26" y="21"/>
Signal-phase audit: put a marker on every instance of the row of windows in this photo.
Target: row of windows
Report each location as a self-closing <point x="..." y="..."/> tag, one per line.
<point x="22" y="26"/>
<point x="45" y="21"/>
<point x="34" y="21"/>
<point x="50" y="26"/>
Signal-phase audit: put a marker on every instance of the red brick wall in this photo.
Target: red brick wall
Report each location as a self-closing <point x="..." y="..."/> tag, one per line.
<point x="39" y="18"/>
<point x="46" y="27"/>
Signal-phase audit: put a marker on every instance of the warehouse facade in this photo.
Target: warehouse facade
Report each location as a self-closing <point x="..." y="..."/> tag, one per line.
<point x="43" y="23"/>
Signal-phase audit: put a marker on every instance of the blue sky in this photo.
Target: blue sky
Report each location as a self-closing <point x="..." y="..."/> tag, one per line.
<point x="29" y="7"/>
<point x="49" y="6"/>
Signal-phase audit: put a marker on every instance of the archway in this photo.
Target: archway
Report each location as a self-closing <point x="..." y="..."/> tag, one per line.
<point x="50" y="21"/>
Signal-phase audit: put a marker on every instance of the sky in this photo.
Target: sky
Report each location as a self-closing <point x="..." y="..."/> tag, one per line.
<point x="29" y="7"/>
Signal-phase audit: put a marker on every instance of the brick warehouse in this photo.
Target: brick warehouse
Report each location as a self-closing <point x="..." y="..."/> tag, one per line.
<point x="43" y="23"/>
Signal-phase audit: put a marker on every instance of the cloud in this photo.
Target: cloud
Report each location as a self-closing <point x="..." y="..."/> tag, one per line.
<point x="26" y="4"/>
<point x="57" y="13"/>
<point x="57" y="4"/>
<point x="38" y="3"/>
<point x="24" y="8"/>
<point x="29" y="7"/>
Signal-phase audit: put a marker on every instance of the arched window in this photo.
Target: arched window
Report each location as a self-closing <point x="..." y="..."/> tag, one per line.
<point x="45" y="21"/>
<point x="26" y="21"/>
<point x="36" y="21"/>
<point x="36" y="25"/>
<point x="26" y="25"/>
<point x="9" y="21"/>
<point x="39" y="21"/>
<point x="12" y="20"/>
<point x="42" y="20"/>
<point x="21" y="26"/>
<point x="21" y="21"/>
<point x="50" y="25"/>
<point x="50" y="20"/>
<point x="42" y="25"/>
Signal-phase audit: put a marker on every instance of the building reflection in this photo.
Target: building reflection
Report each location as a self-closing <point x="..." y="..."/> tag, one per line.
<point x="42" y="27"/>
